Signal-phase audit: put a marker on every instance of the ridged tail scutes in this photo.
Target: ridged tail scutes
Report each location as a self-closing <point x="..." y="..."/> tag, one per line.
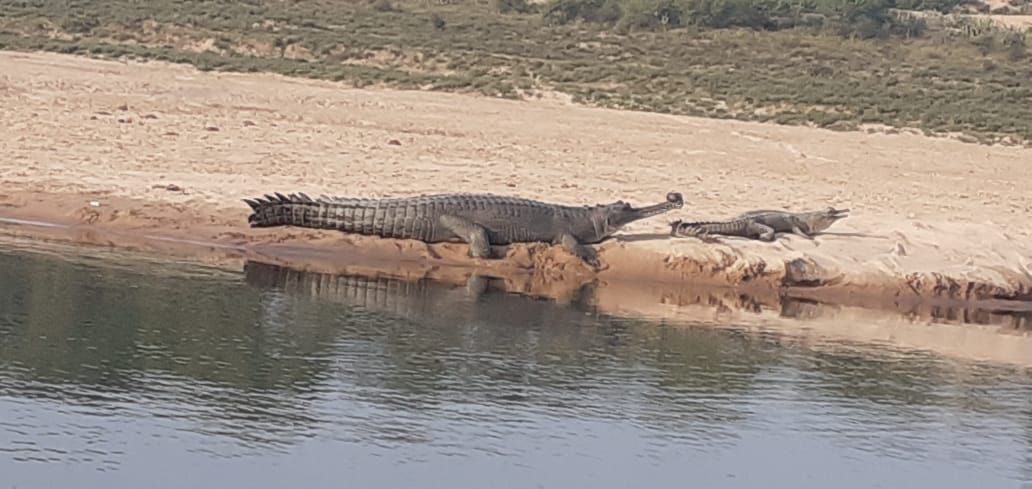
<point x="297" y="209"/>
<point x="697" y="228"/>
<point x="387" y="218"/>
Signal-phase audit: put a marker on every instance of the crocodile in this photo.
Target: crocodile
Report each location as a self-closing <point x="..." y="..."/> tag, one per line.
<point x="479" y="220"/>
<point x="762" y="224"/>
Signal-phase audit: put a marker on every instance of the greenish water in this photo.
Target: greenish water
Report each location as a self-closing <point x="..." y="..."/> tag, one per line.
<point x="142" y="375"/>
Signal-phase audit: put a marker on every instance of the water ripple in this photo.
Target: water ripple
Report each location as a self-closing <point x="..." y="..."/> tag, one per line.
<point x="176" y="378"/>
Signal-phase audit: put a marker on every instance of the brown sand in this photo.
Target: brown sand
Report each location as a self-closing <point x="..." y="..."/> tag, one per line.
<point x="167" y="150"/>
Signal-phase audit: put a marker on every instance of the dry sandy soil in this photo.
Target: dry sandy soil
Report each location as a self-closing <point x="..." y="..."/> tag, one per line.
<point x="167" y="151"/>
<point x="1014" y="21"/>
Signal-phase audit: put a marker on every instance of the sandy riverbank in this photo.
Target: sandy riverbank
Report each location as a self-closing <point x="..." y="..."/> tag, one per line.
<point x="167" y="150"/>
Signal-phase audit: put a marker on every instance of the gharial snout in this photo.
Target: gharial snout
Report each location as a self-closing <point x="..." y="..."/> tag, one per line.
<point x="838" y="213"/>
<point x="673" y="200"/>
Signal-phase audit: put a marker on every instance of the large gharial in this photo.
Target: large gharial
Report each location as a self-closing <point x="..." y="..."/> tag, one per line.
<point x="762" y="224"/>
<point x="480" y="220"/>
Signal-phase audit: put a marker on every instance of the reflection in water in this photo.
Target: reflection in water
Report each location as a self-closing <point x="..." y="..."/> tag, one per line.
<point x="1020" y="320"/>
<point x="1007" y="320"/>
<point x="447" y="342"/>
<point x="480" y="298"/>
<point x="283" y="378"/>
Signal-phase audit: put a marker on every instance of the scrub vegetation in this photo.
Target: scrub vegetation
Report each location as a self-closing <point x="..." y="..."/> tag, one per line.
<point x="839" y="64"/>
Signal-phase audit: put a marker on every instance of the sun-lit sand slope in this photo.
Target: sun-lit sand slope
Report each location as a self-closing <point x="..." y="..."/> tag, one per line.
<point x="929" y="216"/>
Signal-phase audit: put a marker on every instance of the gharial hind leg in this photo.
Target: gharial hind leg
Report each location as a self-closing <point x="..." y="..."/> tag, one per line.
<point x="472" y="233"/>
<point x="708" y="238"/>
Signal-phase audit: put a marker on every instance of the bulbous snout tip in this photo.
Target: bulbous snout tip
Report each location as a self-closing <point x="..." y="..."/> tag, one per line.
<point x="675" y="198"/>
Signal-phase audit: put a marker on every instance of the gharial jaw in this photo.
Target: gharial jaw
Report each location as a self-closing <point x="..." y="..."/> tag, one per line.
<point x="619" y="214"/>
<point x="821" y="220"/>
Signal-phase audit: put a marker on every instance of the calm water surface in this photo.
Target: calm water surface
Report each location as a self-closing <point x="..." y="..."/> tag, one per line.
<point x="143" y="375"/>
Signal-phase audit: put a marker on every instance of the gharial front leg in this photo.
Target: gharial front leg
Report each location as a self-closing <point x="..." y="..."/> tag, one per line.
<point x="706" y="237"/>
<point x="798" y="230"/>
<point x="583" y="252"/>
<point x="472" y="233"/>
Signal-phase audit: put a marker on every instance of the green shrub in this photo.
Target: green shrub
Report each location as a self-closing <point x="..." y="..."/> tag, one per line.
<point x="567" y="11"/>
<point x="511" y="6"/>
<point x="651" y="14"/>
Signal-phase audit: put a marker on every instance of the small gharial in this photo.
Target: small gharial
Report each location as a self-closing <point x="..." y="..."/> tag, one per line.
<point x="762" y="224"/>
<point x="480" y="220"/>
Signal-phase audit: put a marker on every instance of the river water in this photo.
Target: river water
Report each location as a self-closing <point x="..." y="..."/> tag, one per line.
<point x="136" y="374"/>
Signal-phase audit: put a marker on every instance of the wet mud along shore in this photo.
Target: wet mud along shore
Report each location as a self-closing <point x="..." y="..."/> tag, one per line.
<point x="445" y="295"/>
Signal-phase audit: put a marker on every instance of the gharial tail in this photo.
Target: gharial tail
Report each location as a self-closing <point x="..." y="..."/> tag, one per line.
<point x="291" y="210"/>
<point x="703" y="228"/>
<point x="403" y="218"/>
